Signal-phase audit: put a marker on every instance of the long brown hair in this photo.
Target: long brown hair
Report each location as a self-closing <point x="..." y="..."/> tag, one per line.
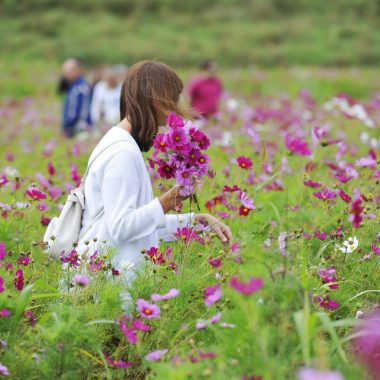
<point x="150" y="91"/>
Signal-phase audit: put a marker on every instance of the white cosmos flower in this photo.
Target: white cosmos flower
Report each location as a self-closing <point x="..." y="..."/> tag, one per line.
<point x="350" y="245"/>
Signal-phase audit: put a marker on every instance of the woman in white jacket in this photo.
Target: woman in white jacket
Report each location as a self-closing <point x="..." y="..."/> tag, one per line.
<point x="118" y="185"/>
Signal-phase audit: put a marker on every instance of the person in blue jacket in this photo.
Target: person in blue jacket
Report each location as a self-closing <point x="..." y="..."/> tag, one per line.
<point x="76" y="110"/>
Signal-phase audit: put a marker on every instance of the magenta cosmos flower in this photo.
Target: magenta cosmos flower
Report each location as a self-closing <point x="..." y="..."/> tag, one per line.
<point x="246" y="288"/>
<point x="148" y="310"/>
<point x="172" y="293"/>
<point x="72" y="258"/>
<point x="344" y="196"/>
<point x="4" y="313"/>
<point x="35" y="194"/>
<point x="367" y="345"/>
<point x="4" y="370"/>
<point x="155" y="355"/>
<point x="1" y="285"/>
<point x="325" y="194"/>
<point x="199" y="138"/>
<point x="187" y="234"/>
<point x="128" y="332"/>
<point x="212" y="294"/>
<point x="23" y="260"/>
<point x="311" y="183"/>
<point x="19" y="279"/>
<point x="175" y="121"/>
<point x="297" y="146"/>
<point x="327" y="303"/>
<point x="356" y="213"/>
<point x="244" y="162"/>
<point x="328" y="277"/>
<point x="3" y="251"/>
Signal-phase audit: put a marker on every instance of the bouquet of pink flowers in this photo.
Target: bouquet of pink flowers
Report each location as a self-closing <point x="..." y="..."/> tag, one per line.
<point x="179" y="154"/>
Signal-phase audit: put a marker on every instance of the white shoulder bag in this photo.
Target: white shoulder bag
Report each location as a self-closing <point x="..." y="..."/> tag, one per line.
<point x="63" y="231"/>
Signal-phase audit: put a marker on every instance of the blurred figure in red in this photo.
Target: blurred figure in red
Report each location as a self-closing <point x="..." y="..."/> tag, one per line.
<point x="205" y="91"/>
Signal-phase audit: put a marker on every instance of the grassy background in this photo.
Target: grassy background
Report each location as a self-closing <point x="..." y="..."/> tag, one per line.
<point x="235" y="32"/>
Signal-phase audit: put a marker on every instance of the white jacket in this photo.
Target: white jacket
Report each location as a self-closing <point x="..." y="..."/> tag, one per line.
<point x="133" y="220"/>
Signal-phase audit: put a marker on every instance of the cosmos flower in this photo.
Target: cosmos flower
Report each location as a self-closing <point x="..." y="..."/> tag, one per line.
<point x="1" y="285"/>
<point x="172" y="293"/>
<point x="375" y="249"/>
<point x="35" y="194"/>
<point x="175" y="121"/>
<point x="311" y="183"/>
<point x="31" y="318"/>
<point x="155" y="355"/>
<point x="367" y="344"/>
<point x="325" y="194"/>
<point x="2" y="250"/>
<point x="252" y="286"/>
<point x="306" y="373"/>
<point x="215" y="262"/>
<point x="148" y="310"/>
<point x="117" y="363"/>
<point x="128" y="332"/>
<point x="344" y="196"/>
<point x="72" y="258"/>
<point x="320" y="235"/>
<point x="23" y="260"/>
<point x="4" y="370"/>
<point x="156" y="256"/>
<point x="81" y="280"/>
<point x="327" y="276"/>
<point x="244" y="162"/>
<point x="349" y="245"/>
<point x="140" y="325"/>
<point x="296" y="146"/>
<point x="212" y="294"/>
<point x="19" y="279"/>
<point x="187" y="234"/>
<point x="327" y="303"/>
<point x="4" y="313"/>
<point x="356" y="213"/>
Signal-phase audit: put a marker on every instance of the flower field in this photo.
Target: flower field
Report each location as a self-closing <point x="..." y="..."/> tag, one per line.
<point x="295" y="297"/>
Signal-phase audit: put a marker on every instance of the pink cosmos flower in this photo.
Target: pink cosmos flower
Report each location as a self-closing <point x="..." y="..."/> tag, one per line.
<point x="1" y="285"/>
<point x="244" y="162"/>
<point x="148" y="310"/>
<point x="172" y="293"/>
<point x="327" y="303"/>
<point x="4" y="313"/>
<point x="140" y="325"/>
<point x="19" y="279"/>
<point x="35" y="194"/>
<point x="74" y="174"/>
<point x="320" y="235"/>
<point x="160" y="143"/>
<point x="311" y="183"/>
<point x="4" y="370"/>
<point x="325" y="194"/>
<point x="42" y="207"/>
<point x="215" y="262"/>
<point x="72" y="258"/>
<point x="128" y="332"/>
<point x="367" y="345"/>
<point x="156" y="256"/>
<point x="306" y="373"/>
<point x="45" y="220"/>
<point x="327" y="277"/>
<point x="55" y="192"/>
<point x="247" y="289"/>
<point x="117" y="363"/>
<point x="23" y="260"/>
<point x="343" y="178"/>
<point x="187" y="234"/>
<point x="344" y="196"/>
<point x="366" y="162"/>
<point x="2" y="250"/>
<point x="155" y="355"/>
<point x="175" y="121"/>
<point x="199" y="138"/>
<point x="3" y="180"/>
<point x="296" y="146"/>
<point x="356" y="213"/>
<point x="81" y="280"/>
<point x="375" y="249"/>
<point x="51" y="168"/>
<point x="212" y="294"/>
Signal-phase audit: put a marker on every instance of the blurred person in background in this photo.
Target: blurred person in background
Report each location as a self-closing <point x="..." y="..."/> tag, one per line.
<point x="76" y="110"/>
<point x="106" y="97"/>
<point x="205" y="91"/>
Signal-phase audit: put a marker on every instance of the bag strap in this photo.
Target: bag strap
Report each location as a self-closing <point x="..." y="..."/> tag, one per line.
<point x="93" y="160"/>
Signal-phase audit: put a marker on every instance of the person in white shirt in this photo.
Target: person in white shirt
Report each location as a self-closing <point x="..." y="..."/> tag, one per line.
<point x="105" y="103"/>
<point x="118" y="181"/>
